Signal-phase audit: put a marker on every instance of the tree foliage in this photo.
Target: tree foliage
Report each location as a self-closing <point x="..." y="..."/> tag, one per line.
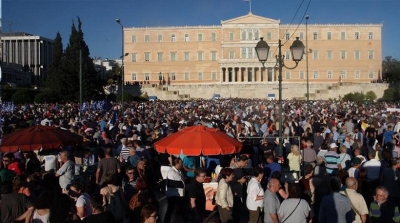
<point x="357" y="97"/>
<point x="63" y="73"/>
<point x="370" y="96"/>
<point x="390" y="94"/>
<point x="391" y="70"/>
<point x="24" y="96"/>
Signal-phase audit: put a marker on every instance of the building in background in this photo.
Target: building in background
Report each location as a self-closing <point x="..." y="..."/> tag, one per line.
<point x="33" y="53"/>
<point x="225" y="53"/>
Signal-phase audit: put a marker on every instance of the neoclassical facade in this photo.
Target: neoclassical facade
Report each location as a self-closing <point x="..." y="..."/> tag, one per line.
<point x="225" y="53"/>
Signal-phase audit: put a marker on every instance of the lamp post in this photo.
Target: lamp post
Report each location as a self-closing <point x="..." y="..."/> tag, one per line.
<point x="297" y="50"/>
<point x="122" y="65"/>
<point x="308" y="87"/>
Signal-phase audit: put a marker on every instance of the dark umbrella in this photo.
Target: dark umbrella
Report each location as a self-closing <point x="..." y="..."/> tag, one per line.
<point x="39" y="137"/>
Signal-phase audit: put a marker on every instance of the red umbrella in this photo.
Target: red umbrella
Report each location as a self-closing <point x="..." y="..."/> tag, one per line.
<point x="38" y="137"/>
<point x="196" y="140"/>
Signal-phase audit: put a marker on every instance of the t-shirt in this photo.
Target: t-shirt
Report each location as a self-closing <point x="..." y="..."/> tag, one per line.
<point x="50" y="162"/>
<point x="271" y="205"/>
<point x="299" y="214"/>
<point x="84" y="201"/>
<point x="13" y="205"/>
<point x="104" y="217"/>
<point x="196" y="190"/>
<point x="67" y="174"/>
<point x="107" y="166"/>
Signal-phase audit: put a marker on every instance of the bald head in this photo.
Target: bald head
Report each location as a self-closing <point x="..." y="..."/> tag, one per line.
<point x="274" y="185"/>
<point x="351" y="183"/>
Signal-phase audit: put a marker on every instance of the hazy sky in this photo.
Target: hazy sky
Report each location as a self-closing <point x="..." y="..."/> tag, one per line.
<point x="103" y="34"/>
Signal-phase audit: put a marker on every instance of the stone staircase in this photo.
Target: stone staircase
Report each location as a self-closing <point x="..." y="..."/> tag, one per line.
<point x="163" y="93"/>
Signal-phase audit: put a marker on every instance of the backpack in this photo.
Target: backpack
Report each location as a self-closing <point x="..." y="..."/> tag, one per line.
<point x="134" y="202"/>
<point x="116" y="204"/>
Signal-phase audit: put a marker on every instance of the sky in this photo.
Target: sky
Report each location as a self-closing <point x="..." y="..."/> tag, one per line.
<point x="103" y="35"/>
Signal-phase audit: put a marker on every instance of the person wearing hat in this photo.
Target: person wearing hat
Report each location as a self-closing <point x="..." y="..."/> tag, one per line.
<point x="332" y="160"/>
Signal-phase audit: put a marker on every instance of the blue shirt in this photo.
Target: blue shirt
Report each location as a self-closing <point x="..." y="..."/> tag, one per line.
<point x="270" y="168"/>
<point x="388" y="135"/>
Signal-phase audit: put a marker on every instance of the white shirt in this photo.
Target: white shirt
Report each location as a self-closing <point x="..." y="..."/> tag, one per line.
<point x="373" y="167"/>
<point x="176" y="175"/>
<point x="254" y="189"/>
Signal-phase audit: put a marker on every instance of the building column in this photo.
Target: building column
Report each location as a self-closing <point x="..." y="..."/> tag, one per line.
<point x="221" y="75"/>
<point x="233" y="74"/>
<point x="227" y="74"/>
<point x="260" y="77"/>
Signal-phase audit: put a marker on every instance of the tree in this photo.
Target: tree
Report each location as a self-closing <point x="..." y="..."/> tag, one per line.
<point x="390" y="94"/>
<point x="357" y="97"/>
<point x="370" y="96"/>
<point x="391" y="70"/>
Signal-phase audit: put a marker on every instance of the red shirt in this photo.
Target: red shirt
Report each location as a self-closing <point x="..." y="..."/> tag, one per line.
<point x="14" y="166"/>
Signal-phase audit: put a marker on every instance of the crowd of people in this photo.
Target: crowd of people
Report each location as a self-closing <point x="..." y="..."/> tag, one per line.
<point x="338" y="163"/>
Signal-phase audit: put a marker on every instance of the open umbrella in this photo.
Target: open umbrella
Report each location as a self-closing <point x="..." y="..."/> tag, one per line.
<point x="38" y="137"/>
<point x="199" y="139"/>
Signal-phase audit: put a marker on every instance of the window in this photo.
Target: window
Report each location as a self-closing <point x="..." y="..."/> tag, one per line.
<point x="287" y="55"/>
<point x="187" y="56"/>
<point x="329" y="74"/>
<point x="213" y="76"/>
<point x="329" y="55"/>
<point x="370" y="54"/>
<point x="301" y="36"/>
<point x="371" y="74"/>
<point x="146" y="38"/>
<point x="287" y="36"/>
<point x="134" y="39"/>
<point x="186" y="38"/>
<point x="213" y="36"/>
<point x="301" y="74"/>
<point x="270" y="54"/>
<point x="199" y="37"/>
<point x="147" y="56"/>
<point x="173" y="56"/>
<point x="315" y="75"/>
<point x="343" y="74"/>
<point x="357" y="54"/>
<point x="243" y="55"/>
<point x="357" y="74"/>
<point x="343" y="54"/>
<point x="329" y="36"/>
<point x="231" y="36"/>
<point x="256" y="35"/>
<point x="187" y="76"/>
<point x="250" y="35"/>
<point x="287" y="75"/>
<point x="173" y="38"/>
<point x="315" y="54"/>
<point x="134" y="55"/>
<point x="200" y="56"/>
<point x="357" y="35"/>
<point x="370" y="35"/>
<point x="250" y="55"/>
<point x="243" y="35"/>
<point x="173" y="76"/>
<point x="147" y="76"/>
<point x="315" y="35"/>
<point x="269" y="35"/>
<point x="200" y="76"/>
<point x="159" y="38"/>
<point x="133" y="76"/>
<point x="343" y="35"/>
<point x="213" y="55"/>
<point x="159" y="56"/>
<point x="232" y="55"/>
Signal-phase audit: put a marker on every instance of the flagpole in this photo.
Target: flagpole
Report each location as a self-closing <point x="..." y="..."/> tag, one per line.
<point x="250" y="5"/>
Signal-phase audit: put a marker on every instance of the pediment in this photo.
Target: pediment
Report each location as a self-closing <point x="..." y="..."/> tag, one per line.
<point x="250" y="19"/>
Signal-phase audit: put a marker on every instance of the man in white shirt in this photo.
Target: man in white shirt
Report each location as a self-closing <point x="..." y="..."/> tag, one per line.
<point x="255" y="195"/>
<point x="175" y="189"/>
<point x="373" y="167"/>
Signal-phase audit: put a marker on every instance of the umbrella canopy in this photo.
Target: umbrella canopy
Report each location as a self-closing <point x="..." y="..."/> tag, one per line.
<point x="38" y="137"/>
<point x="199" y="139"/>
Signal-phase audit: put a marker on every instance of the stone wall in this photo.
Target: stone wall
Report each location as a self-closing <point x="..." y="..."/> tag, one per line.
<point x="320" y="91"/>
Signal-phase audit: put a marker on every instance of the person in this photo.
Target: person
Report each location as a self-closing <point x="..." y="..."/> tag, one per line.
<point x="66" y="173"/>
<point x="332" y="160"/>
<point x="373" y="167"/>
<point x="345" y="159"/>
<point x="224" y="196"/>
<point x="357" y="201"/>
<point x="11" y="163"/>
<point x="309" y="154"/>
<point x="82" y="200"/>
<point x="353" y="171"/>
<point x="143" y="197"/>
<point x="255" y="196"/>
<point x="33" y="163"/>
<point x="14" y="206"/>
<point x="270" y="167"/>
<point x="335" y="207"/>
<point x="271" y="202"/>
<point x="149" y="214"/>
<point x="196" y="195"/>
<point x="175" y="189"/>
<point x="129" y="182"/>
<point x="294" y="209"/>
<point x="390" y="179"/>
<point x="107" y="166"/>
<point x="381" y="209"/>
<point x="113" y="198"/>
<point x="239" y="211"/>
<point x="98" y="214"/>
<point x="294" y="158"/>
<point x="41" y="211"/>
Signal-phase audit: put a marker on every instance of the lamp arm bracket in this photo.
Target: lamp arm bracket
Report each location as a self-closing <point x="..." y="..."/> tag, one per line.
<point x="291" y="68"/>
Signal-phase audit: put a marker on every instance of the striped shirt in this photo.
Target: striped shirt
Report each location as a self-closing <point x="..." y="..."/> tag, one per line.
<point x="384" y="213"/>
<point x="332" y="159"/>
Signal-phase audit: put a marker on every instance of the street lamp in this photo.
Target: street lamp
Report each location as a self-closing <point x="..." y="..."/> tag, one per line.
<point x="122" y="64"/>
<point x="308" y="87"/>
<point x="297" y="50"/>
